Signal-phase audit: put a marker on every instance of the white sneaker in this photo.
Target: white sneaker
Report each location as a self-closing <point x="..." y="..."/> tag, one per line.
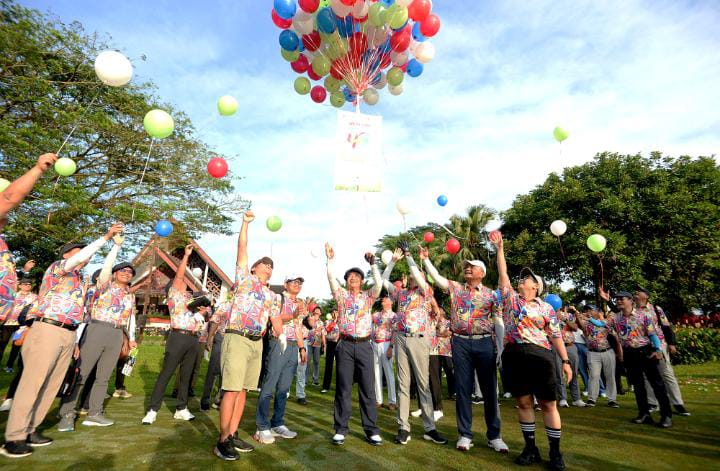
<point x="183" y="414"/>
<point x="416" y="413"/>
<point x="464" y="444"/>
<point x="6" y="405"/>
<point x="375" y="440"/>
<point x="579" y="403"/>
<point x="585" y="393"/>
<point x="603" y="395"/>
<point x="563" y="403"/>
<point x="283" y="432"/>
<point x="498" y="445"/>
<point x="264" y="436"/>
<point x="149" y="417"/>
<point x="338" y="439"/>
<point x="507" y="395"/>
<point x="437" y="415"/>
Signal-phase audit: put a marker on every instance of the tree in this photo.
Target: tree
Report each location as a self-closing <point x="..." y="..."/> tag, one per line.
<point x="47" y="84"/>
<point x="660" y="216"/>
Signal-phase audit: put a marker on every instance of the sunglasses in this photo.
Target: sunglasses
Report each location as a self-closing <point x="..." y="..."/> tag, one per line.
<point x="297" y="282"/>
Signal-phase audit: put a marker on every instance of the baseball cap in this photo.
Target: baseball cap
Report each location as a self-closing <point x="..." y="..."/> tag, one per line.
<point x="589" y="307"/>
<point x="68" y="247"/>
<point x="265" y="260"/>
<point x="623" y="294"/>
<point x="123" y="265"/>
<point x="527" y="272"/>
<point x="477" y="263"/>
<point x="354" y="270"/>
<point x="643" y="290"/>
<point x="293" y="277"/>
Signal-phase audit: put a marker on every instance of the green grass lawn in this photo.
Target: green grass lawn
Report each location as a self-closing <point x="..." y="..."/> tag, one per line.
<point x="599" y="438"/>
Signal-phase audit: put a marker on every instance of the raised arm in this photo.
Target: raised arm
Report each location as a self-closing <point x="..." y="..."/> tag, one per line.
<point x="16" y="192"/>
<point x="377" y="278"/>
<point x="179" y="281"/>
<point x="87" y="252"/>
<point x="330" y="253"/>
<point x="503" y="278"/>
<point x="242" y="255"/>
<point x="106" y="272"/>
<point x="397" y="254"/>
<point x="440" y="280"/>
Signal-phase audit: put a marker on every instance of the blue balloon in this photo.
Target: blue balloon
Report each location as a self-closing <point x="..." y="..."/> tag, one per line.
<point x="285" y="8"/>
<point x="442" y="199"/>
<point x="289" y="40"/>
<point x="349" y="95"/>
<point x="416" y="34"/>
<point x="387" y="3"/>
<point x="326" y="21"/>
<point x="554" y="300"/>
<point x="163" y="228"/>
<point x="345" y="26"/>
<point x="414" y="69"/>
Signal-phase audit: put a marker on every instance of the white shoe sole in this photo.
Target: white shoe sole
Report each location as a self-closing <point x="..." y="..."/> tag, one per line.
<point x="90" y="423"/>
<point x="502" y="451"/>
<point x="223" y="457"/>
<point x="278" y="435"/>
<point x="264" y="441"/>
<point x="4" y="452"/>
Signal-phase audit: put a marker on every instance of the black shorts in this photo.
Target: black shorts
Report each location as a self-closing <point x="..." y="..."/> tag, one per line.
<point x="529" y="369"/>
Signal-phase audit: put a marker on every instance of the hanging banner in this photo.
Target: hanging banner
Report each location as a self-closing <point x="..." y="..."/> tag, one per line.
<point x="359" y="159"/>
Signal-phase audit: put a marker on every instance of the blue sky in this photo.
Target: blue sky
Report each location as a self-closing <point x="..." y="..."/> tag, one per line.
<point x="625" y="76"/>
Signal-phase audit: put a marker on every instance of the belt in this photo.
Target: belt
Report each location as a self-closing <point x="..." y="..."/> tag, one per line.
<point x="411" y="334"/>
<point x="186" y="332"/>
<point x="245" y="334"/>
<point x="383" y="341"/>
<point x="472" y="336"/>
<point x="71" y="327"/>
<point x="568" y="344"/>
<point x="600" y="351"/>
<point x="109" y="324"/>
<point x="351" y="339"/>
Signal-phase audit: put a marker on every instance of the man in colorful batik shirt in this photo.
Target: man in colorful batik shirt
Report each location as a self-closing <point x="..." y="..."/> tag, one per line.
<point x="282" y="362"/>
<point x="50" y="344"/>
<point x="667" y="340"/>
<point x="253" y="305"/>
<point x="382" y="337"/>
<point x="600" y="355"/>
<point x="112" y="309"/>
<point x="354" y="350"/>
<point x="440" y="358"/>
<point x="568" y="327"/>
<point x="477" y="337"/>
<point x="24" y="299"/>
<point x="187" y="320"/>
<point x="412" y="346"/>
<point x="331" y="340"/>
<point x="216" y="333"/>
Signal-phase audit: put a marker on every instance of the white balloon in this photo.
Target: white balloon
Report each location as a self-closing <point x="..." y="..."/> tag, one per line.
<point x="558" y="228"/>
<point x="386" y="256"/>
<point x="379" y="35"/>
<point x="493" y="225"/>
<point x="413" y="46"/>
<point x="197" y="271"/>
<point x="425" y="52"/>
<point x="399" y="58"/>
<point x="382" y="82"/>
<point x="371" y="96"/>
<point x="303" y="27"/>
<point x="314" y="252"/>
<point x="403" y="3"/>
<point x="340" y="8"/>
<point x="113" y="68"/>
<point x="395" y="89"/>
<point x="360" y="9"/>
<point x="310" y="55"/>
<point x="403" y="206"/>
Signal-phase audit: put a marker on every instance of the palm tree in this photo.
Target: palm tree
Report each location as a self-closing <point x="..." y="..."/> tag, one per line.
<point x="470" y="232"/>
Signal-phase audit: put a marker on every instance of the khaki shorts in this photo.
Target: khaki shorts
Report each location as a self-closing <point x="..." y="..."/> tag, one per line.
<point x="241" y="360"/>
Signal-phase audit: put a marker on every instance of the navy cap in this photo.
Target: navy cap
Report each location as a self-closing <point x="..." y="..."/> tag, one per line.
<point x="68" y="247"/>
<point x="623" y="294"/>
<point x="123" y="265"/>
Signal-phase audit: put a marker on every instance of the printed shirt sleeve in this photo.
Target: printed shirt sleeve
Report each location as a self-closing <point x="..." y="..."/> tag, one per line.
<point x="552" y="323"/>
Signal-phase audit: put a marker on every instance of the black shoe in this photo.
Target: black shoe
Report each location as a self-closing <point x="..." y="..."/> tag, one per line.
<point x="665" y="422"/>
<point x="435" y="437"/>
<point x="528" y="456"/>
<point x="16" y="449"/>
<point x="680" y="410"/>
<point x="453" y="397"/>
<point x="226" y="451"/>
<point x="241" y="445"/>
<point x="36" y="439"/>
<point x="590" y="403"/>
<point x="643" y="419"/>
<point x="173" y="393"/>
<point x="191" y="393"/>
<point x="205" y="405"/>
<point x="557" y="463"/>
<point x="302" y="401"/>
<point x="315" y="383"/>
<point x="402" y="437"/>
<point x="613" y="404"/>
<point x="477" y="400"/>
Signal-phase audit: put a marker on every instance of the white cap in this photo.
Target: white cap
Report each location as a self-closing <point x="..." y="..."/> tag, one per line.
<point x="477" y="263"/>
<point x="294" y="276"/>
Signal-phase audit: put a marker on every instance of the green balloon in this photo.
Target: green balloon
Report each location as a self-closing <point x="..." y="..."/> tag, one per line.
<point x="375" y="14"/>
<point x="596" y="243"/>
<point x="4" y="184"/>
<point x="395" y="76"/>
<point x="323" y="4"/>
<point x="332" y="84"/>
<point x="227" y="105"/>
<point x="337" y="99"/>
<point x="396" y="16"/>
<point x="302" y="85"/>
<point x="65" y="167"/>
<point x="560" y="134"/>
<point x="321" y="66"/>
<point x="290" y="56"/>
<point x="158" y="124"/>
<point x="273" y="223"/>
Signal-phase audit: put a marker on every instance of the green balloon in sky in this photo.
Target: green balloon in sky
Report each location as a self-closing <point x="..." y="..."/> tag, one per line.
<point x="302" y="85"/>
<point x="321" y="65"/>
<point x="375" y="14"/>
<point x="158" y="124"/>
<point x="396" y="16"/>
<point x="596" y="243"/>
<point x="395" y="76"/>
<point x="560" y="134"/>
<point x="290" y="56"/>
<point x="273" y="223"/>
<point x="337" y="99"/>
<point x="332" y="84"/>
<point x="227" y="105"/>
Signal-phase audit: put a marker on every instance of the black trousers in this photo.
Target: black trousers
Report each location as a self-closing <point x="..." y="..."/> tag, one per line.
<point x="119" y="377"/>
<point x="329" y="360"/>
<point x="637" y="363"/>
<point x="6" y="333"/>
<point x="180" y="350"/>
<point x="355" y="358"/>
<point x="438" y="363"/>
<point x="16" y="380"/>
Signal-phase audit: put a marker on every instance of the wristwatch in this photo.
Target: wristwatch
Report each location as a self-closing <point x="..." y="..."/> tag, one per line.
<point x="566" y="362"/>
<point x="302" y="348"/>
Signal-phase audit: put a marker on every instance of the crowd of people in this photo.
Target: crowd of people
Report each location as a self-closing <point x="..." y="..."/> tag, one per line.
<point x="393" y="336"/>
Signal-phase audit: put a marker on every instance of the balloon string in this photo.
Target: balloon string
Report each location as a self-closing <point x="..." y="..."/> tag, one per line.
<point x="562" y="251"/>
<point x="142" y="177"/>
<point x="77" y="122"/>
<point x="602" y="273"/>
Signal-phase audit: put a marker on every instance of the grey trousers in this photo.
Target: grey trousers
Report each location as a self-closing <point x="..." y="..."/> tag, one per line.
<point x="101" y="346"/>
<point x="668" y="375"/>
<point x="602" y="362"/>
<point x="414" y="352"/>
<point x="574" y="385"/>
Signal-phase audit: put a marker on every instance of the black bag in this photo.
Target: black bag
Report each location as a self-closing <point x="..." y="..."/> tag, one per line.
<point x="70" y="380"/>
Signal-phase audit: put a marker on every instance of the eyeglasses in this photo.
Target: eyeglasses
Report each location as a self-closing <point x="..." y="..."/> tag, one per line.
<point x="127" y="270"/>
<point x="297" y="282"/>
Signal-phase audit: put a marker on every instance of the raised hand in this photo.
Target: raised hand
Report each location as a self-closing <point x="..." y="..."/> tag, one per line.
<point x="329" y="252"/>
<point x="46" y="161"/>
<point x="603" y="294"/>
<point x="188" y="250"/>
<point x="116" y="228"/>
<point x="370" y="258"/>
<point x="496" y="239"/>
<point x="248" y="217"/>
<point x="397" y="254"/>
<point x="424" y="253"/>
<point x="29" y="265"/>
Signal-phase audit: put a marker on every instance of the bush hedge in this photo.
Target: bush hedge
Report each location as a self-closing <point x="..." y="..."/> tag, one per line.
<point x="696" y="345"/>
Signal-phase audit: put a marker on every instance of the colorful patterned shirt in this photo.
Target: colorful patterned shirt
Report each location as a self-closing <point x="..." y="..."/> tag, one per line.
<point x="315" y="336"/>
<point x="61" y="295"/>
<point x="596" y="337"/>
<point x="472" y="309"/>
<point x="253" y="304"/>
<point x="333" y="331"/>
<point x="382" y="326"/>
<point x="220" y="317"/>
<point x="8" y="280"/>
<point x="658" y="316"/>
<point x="180" y="316"/>
<point x="528" y="322"/>
<point x="114" y="304"/>
<point x="444" y="344"/>
<point x="290" y="306"/>
<point x="634" y="330"/>
<point x="568" y="335"/>
<point x="354" y="313"/>
<point x="21" y="301"/>
<point x="413" y="310"/>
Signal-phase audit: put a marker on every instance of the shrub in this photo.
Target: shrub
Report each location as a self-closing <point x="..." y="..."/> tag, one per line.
<point x="696" y="345"/>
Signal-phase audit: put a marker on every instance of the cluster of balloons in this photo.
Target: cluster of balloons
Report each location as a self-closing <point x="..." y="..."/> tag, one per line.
<point x="356" y="47"/>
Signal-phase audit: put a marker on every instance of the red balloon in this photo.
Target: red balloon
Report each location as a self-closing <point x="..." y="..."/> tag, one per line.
<point x="361" y="20"/>
<point x="311" y="73"/>
<point x="309" y="6"/>
<point x="301" y="65"/>
<point x="430" y="26"/>
<point x="385" y="61"/>
<point x="358" y="42"/>
<point x="318" y="94"/>
<point x="217" y="167"/>
<point x="348" y="2"/>
<point x="428" y="237"/>
<point x="418" y="10"/>
<point x="337" y="68"/>
<point x="404" y="67"/>
<point x="452" y="246"/>
<point x="311" y="41"/>
<point x="281" y="23"/>
<point x="400" y="41"/>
